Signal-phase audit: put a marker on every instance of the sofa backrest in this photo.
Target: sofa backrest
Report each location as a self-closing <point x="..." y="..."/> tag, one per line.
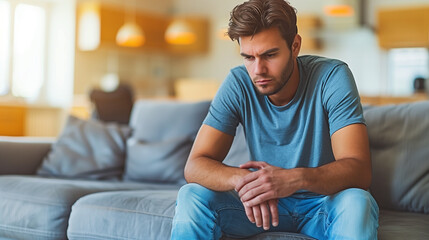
<point x="399" y="142"/>
<point x="239" y="152"/>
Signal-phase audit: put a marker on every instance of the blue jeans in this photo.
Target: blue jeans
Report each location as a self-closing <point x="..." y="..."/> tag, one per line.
<point x="205" y="214"/>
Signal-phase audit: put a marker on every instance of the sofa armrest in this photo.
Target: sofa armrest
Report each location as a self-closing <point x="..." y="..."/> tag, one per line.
<point x="23" y="155"/>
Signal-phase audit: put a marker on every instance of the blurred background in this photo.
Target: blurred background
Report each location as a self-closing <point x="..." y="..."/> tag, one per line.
<point x="55" y="53"/>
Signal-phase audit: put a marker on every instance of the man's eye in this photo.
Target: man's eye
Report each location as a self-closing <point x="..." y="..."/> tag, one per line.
<point x="271" y="55"/>
<point x="249" y="58"/>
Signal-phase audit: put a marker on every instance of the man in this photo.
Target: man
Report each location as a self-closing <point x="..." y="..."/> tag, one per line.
<point x="305" y="130"/>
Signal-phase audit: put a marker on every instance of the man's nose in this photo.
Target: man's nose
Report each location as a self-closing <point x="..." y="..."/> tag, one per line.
<point x="260" y="67"/>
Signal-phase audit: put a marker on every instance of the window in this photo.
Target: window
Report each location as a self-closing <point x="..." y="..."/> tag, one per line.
<point x="406" y="64"/>
<point x="4" y="46"/>
<point x="23" y="48"/>
<point x="28" y="51"/>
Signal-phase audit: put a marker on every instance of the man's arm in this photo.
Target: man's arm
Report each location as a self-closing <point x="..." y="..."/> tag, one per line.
<point x="352" y="169"/>
<point x="204" y="165"/>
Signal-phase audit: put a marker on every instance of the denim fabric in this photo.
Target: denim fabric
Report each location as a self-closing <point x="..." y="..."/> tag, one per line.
<point x="130" y="215"/>
<point x="39" y="208"/>
<point x="205" y="214"/>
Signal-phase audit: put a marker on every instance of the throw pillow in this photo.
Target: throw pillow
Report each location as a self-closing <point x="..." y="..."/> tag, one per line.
<point x="163" y="134"/>
<point x="154" y="120"/>
<point x="161" y="162"/>
<point x="87" y="150"/>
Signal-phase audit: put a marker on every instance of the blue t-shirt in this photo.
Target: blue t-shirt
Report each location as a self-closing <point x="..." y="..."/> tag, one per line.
<point x="297" y="134"/>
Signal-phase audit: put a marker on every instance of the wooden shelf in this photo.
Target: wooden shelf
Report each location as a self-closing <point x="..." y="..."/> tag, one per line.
<point x="308" y="26"/>
<point x="154" y="26"/>
<point x="12" y="120"/>
<point x="386" y="100"/>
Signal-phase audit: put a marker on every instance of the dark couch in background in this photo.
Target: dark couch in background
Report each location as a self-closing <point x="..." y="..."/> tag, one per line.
<point x="109" y="181"/>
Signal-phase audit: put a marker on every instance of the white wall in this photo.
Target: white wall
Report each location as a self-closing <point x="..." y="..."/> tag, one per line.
<point x="59" y="87"/>
<point x="223" y="54"/>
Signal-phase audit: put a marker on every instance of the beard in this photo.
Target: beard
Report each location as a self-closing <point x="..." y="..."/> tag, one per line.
<point x="279" y="83"/>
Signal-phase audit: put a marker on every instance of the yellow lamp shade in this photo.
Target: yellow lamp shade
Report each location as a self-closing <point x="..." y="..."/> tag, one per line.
<point x="180" y="33"/>
<point x="339" y="10"/>
<point x="130" y="35"/>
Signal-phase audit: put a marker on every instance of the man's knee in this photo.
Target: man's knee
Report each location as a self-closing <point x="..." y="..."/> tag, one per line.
<point x="353" y="215"/>
<point x="192" y="192"/>
<point x="356" y="200"/>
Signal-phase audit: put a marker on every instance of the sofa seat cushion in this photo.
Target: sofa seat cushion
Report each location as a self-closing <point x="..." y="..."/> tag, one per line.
<point x="134" y="215"/>
<point x="123" y="215"/>
<point x="276" y="236"/>
<point x="396" y="225"/>
<point x="39" y="208"/>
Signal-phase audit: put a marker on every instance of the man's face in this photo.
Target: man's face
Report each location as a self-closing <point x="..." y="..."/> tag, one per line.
<point x="268" y="60"/>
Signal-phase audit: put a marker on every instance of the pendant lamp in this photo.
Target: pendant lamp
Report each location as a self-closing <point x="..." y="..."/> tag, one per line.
<point x="180" y="33"/>
<point x="130" y="34"/>
<point x="339" y="8"/>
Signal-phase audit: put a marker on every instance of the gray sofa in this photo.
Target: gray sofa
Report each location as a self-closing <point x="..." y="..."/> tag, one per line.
<point x="108" y="181"/>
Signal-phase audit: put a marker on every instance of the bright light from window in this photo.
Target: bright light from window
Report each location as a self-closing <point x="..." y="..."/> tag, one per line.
<point x="4" y="46"/>
<point x="89" y="26"/>
<point x="29" y="51"/>
<point x="405" y="64"/>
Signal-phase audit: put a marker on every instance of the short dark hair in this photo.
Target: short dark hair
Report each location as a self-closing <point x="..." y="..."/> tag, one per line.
<point x="253" y="16"/>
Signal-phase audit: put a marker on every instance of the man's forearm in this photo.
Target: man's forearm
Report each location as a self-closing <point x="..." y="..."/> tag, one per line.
<point x="213" y="174"/>
<point x="336" y="176"/>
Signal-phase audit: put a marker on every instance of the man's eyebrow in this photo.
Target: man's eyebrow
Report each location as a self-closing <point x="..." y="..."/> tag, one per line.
<point x="269" y="51"/>
<point x="245" y="55"/>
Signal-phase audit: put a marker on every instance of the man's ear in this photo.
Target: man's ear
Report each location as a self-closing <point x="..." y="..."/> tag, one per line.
<point x="296" y="45"/>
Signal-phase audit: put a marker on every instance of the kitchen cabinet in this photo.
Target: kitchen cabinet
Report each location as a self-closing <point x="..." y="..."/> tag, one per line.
<point x="12" y="120"/>
<point x="404" y="27"/>
<point x="154" y="27"/>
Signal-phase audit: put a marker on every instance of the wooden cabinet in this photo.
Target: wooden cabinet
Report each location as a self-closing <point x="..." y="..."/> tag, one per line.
<point x="111" y="19"/>
<point x="399" y="28"/>
<point x="201" y="45"/>
<point x="18" y="119"/>
<point x="308" y="27"/>
<point x="154" y="26"/>
<point x="12" y="120"/>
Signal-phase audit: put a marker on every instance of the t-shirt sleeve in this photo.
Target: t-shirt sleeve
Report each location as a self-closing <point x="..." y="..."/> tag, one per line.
<point x="341" y="99"/>
<point x="224" y="109"/>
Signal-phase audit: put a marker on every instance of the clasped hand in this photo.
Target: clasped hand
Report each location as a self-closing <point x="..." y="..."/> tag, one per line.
<point x="260" y="190"/>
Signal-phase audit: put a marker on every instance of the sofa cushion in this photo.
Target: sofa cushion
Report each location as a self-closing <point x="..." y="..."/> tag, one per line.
<point x="134" y="215"/>
<point x="162" y="161"/>
<point x="399" y="137"/>
<point x="163" y="134"/>
<point x="87" y="150"/>
<point x="396" y="225"/>
<point x="39" y="208"/>
<point x="123" y="215"/>
<point x="276" y="236"/>
<point x="239" y="152"/>
<point x="154" y="120"/>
